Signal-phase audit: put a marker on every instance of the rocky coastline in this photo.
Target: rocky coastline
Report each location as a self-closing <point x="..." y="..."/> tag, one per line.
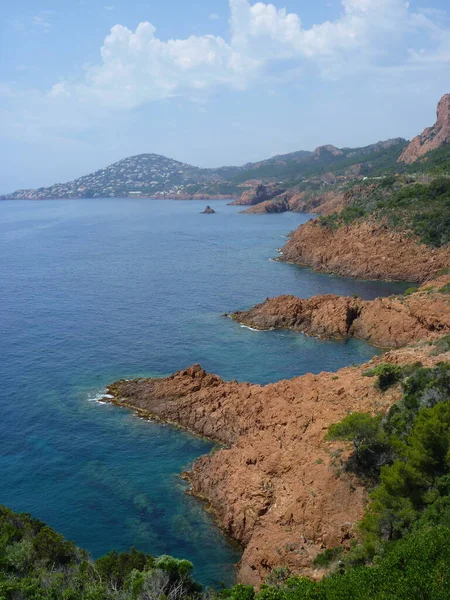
<point x="366" y="250"/>
<point x="277" y="486"/>
<point x="392" y="322"/>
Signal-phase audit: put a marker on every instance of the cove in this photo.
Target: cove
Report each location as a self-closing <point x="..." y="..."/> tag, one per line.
<point x="96" y="290"/>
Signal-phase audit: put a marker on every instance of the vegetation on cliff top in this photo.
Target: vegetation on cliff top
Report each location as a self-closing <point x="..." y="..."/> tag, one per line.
<point x="422" y="208"/>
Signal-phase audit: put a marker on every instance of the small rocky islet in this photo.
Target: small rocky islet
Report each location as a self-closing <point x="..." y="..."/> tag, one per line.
<point x="208" y="211"/>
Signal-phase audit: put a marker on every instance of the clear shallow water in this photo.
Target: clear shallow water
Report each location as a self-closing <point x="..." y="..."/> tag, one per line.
<point x="92" y="291"/>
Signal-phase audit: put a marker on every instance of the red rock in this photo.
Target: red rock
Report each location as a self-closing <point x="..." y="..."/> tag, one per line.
<point x="366" y="250"/>
<point x="432" y="137"/>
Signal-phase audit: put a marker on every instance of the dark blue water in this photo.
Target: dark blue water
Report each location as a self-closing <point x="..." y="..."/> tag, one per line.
<point x="92" y="291"/>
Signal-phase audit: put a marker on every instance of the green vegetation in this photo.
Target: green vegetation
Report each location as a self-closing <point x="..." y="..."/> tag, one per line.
<point x="36" y="563"/>
<point x="410" y="290"/>
<point x="387" y="375"/>
<point x="404" y="546"/>
<point x="422" y="208"/>
<point x="441" y="345"/>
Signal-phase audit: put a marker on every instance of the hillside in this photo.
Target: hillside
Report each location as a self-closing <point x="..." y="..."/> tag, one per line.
<point x="152" y="175"/>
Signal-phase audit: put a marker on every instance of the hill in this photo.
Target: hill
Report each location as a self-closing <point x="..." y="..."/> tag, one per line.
<point x="155" y="176"/>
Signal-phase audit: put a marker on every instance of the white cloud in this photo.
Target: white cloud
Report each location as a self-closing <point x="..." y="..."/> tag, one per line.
<point x="214" y="17"/>
<point x="138" y="67"/>
<point x="41" y="22"/>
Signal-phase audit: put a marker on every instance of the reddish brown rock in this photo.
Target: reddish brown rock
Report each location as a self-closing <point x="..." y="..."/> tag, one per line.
<point x="320" y="202"/>
<point x="277" y="487"/>
<point x="386" y="322"/>
<point x="432" y="137"/>
<point x="258" y="194"/>
<point x="366" y="250"/>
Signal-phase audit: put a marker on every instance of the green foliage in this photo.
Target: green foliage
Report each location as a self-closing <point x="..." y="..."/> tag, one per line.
<point x="369" y="441"/>
<point x="36" y="563"/>
<point x="410" y="290"/>
<point x="422" y="208"/>
<point x="387" y="375"/>
<point x="407" y="452"/>
<point x="441" y="345"/>
<point x="445" y="289"/>
<point x="325" y="558"/>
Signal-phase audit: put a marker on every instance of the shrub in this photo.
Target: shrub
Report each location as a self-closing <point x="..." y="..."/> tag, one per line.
<point x="387" y="373"/>
<point x="410" y="290"/>
<point x="325" y="558"/>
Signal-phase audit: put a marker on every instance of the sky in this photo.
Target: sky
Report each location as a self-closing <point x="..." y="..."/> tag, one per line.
<point x="84" y="83"/>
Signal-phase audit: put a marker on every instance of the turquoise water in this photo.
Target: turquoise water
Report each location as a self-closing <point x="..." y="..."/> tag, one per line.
<point x="96" y="290"/>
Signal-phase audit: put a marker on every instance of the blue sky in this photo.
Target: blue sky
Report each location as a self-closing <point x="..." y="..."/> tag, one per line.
<point x="84" y="83"/>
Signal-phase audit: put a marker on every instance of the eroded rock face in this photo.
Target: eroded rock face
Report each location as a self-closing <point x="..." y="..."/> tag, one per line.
<point x="432" y="137"/>
<point x="365" y="250"/>
<point x="277" y="487"/>
<point x="386" y="322"/>
<point x="258" y="194"/>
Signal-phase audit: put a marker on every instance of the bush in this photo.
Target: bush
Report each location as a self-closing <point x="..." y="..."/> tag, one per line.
<point x="410" y="290"/>
<point x="388" y="375"/>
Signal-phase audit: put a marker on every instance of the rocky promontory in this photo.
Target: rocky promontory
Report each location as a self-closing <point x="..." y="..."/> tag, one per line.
<point x="368" y="250"/>
<point x="391" y="322"/>
<point x="256" y="195"/>
<point x="277" y="486"/>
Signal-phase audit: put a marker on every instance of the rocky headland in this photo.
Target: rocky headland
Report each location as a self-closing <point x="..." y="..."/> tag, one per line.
<point x="277" y="486"/>
<point x="392" y="322"/>
<point x="322" y="202"/>
<point x="367" y="250"/>
<point x="257" y="194"/>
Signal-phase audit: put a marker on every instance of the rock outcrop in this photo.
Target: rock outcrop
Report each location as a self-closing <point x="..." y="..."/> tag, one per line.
<point x="258" y="194"/>
<point x="432" y="137"/>
<point x="208" y="211"/>
<point x="368" y="250"/>
<point x="392" y="322"/>
<point x="321" y="203"/>
<point x="278" y="487"/>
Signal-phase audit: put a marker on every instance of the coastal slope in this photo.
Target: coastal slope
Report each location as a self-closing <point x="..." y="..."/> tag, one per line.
<point x="366" y="249"/>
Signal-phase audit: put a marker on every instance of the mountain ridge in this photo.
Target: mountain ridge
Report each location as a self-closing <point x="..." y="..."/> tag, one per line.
<point x="156" y="176"/>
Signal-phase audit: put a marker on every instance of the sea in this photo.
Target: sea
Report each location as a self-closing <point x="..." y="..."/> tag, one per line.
<point x="92" y="291"/>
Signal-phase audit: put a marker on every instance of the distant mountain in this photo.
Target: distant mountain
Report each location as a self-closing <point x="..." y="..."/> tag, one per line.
<point x="155" y="176"/>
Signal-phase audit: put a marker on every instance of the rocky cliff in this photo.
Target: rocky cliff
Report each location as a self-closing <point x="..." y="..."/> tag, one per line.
<point x="259" y="193"/>
<point x="387" y="322"/>
<point x="368" y="250"/>
<point x="432" y="137"/>
<point x="322" y="202"/>
<point x="278" y="487"/>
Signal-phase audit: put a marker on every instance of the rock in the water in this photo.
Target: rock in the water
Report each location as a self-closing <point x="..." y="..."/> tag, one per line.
<point x="208" y="211"/>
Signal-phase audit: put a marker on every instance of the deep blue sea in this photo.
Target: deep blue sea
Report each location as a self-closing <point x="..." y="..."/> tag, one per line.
<point x="96" y="290"/>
